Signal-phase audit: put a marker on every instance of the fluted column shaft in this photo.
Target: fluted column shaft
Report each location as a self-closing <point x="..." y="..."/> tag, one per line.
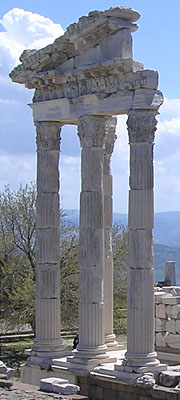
<point x="48" y="338"/>
<point x="108" y="278"/>
<point x="92" y="133"/>
<point x="140" y="342"/>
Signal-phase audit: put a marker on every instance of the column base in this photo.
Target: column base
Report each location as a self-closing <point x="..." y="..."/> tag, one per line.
<point x="127" y="373"/>
<point x="112" y="344"/>
<point x="47" y="349"/>
<point x="88" y="358"/>
<point x="141" y="360"/>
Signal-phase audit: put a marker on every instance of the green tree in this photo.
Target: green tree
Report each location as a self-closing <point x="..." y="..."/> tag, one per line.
<point x="17" y="254"/>
<point x="17" y="262"/>
<point x="69" y="273"/>
<point x="17" y="259"/>
<point x="120" y="259"/>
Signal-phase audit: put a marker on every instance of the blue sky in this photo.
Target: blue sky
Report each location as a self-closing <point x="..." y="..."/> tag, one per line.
<point x="156" y="45"/>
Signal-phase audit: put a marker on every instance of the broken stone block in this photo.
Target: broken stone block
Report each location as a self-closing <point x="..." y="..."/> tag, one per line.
<point x="169" y="378"/>
<point x="65" y="388"/>
<point x="3" y="368"/>
<point x="147" y="380"/>
<point x="9" y="372"/>
<point x="58" y="385"/>
<point x="5" y="384"/>
<point x="46" y="384"/>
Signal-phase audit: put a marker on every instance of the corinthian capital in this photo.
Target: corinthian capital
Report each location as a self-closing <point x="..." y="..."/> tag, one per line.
<point x="111" y="136"/>
<point x="48" y="135"/>
<point x="142" y="125"/>
<point x="92" y="131"/>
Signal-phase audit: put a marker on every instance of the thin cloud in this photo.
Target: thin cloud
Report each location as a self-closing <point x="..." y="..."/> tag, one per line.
<point x="16" y="169"/>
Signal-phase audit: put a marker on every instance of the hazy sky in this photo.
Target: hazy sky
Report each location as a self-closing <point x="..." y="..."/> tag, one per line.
<point x="35" y="24"/>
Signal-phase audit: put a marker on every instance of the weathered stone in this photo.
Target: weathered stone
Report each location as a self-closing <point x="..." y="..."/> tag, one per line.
<point x="142" y="176"/>
<point x="173" y="311"/>
<point x="147" y="380"/>
<point x="84" y="78"/>
<point x="3" y="368"/>
<point x="169" y="273"/>
<point x="94" y="166"/>
<point x="108" y="254"/>
<point x="169" y="378"/>
<point x="160" y="311"/>
<point x="160" y="339"/>
<point x="140" y="248"/>
<point x="141" y="211"/>
<point x="177" y="326"/>
<point x="5" y="384"/>
<point x="69" y="110"/>
<point x="170" y="299"/>
<point x="158" y="296"/>
<point x="160" y="325"/>
<point x="173" y="341"/>
<point x="174" y="290"/>
<point x="92" y="132"/>
<point x="47" y="384"/>
<point x="171" y="326"/>
<point x="65" y="388"/>
<point x="48" y="340"/>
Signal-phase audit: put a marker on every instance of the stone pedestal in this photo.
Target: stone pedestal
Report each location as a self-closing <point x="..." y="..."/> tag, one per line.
<point x="170" y="273"/>
<point x="48" y="342"/>
<point x="92" y="132"/>
<point x="140" y="340"/>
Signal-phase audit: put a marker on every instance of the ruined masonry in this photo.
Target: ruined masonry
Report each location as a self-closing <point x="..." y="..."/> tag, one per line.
<point x="86" y="78"/>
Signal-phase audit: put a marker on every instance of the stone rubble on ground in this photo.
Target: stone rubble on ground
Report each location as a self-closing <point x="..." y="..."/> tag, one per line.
<point x="147" y="380"/>
<point x="58" y="385"/>
<point x="169" y="378"/>
<point x="21" y="391"/>
<point x="7" y="372"/>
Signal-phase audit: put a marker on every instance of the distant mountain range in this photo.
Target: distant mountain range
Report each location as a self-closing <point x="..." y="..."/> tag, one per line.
<point x="166" y="238"/>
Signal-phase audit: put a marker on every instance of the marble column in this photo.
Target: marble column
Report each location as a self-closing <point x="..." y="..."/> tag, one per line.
<point x="108" y="206"/>
<point x="140" y="341"/>
<point x="92" y="132"/>
<point x="48" y="342"/>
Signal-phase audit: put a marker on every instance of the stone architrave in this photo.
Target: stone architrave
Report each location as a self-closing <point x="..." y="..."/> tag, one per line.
<point x="140" y="340"/>
<point x="48" y="342"/>
<point x="92" y="131"/>
<point x="108" y="274"/>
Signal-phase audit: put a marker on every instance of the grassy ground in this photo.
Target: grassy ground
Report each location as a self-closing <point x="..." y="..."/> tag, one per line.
<point x="12" y="354"/>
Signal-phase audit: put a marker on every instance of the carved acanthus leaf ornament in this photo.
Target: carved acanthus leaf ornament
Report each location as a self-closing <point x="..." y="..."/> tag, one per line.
<point x="142" y="125"/>
<point x="48" y="135"/>
<point x="92" y="131"/>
